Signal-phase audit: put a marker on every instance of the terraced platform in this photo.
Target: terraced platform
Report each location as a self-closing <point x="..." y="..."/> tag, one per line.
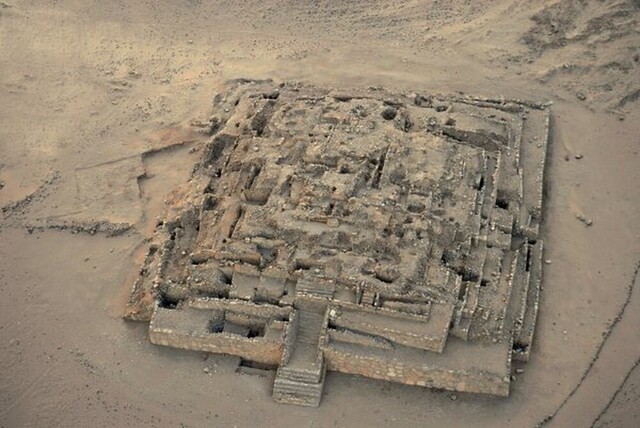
<point x="394" y="236"/>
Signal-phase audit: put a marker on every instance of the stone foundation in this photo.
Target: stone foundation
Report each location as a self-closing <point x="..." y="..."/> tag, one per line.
<point x="393" y="236"/>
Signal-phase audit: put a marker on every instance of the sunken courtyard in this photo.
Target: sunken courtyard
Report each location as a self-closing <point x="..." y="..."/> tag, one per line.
<point x="395" y="236"/>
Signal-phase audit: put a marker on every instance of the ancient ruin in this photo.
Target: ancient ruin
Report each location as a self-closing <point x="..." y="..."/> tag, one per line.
<point x="393" y="236"/>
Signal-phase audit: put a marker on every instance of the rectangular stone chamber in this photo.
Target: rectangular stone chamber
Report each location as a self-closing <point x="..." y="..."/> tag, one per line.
<point x="393" y="236"/>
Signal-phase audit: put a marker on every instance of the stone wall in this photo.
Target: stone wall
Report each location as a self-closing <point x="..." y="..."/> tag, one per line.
<point x="413" y="373"/>
<point x="189" y="328"/>
<point x="290" y="334"/>
<point x="399" y="327"/>
<point x="263" y="310"/>
<point x="253" y="349"/>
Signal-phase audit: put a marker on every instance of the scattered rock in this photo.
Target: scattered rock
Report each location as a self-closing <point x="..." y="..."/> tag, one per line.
<point x="199" y="123"/>
<point x="389" y="113"/>
<point x="91" y="227"/>
<point x="581" y="96"/>
<point x="453" y="397"/>
<point x="579" y="156"/>
<point x="586" y="220"/>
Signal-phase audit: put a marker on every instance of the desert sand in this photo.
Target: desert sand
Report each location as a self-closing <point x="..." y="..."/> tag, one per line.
<point x="88" y="86"/>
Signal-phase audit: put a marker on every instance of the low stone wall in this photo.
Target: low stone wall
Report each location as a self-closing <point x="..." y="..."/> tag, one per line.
<point x="254" y="349"/>
<point x="406" y="372"/>
<point x="290" y="335"/>
<point x="357" y="338"/>
<point x="188" y="328"/>
<point x="399" y="327"/>
<point x="262" y="310"/>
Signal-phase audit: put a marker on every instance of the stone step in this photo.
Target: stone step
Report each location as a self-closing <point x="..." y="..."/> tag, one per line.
<point x="473" y="291"/>
<point x="368" y="297"/>
<point x="300" y="375"/>
<point x="309" y="327"/>
<point x="466" y="310"/>
<point x="490" y="276"/>
<point x="314" y="288"/>
<point x="304" y="355"/>
<point x="522" y="343"/>
<point x="509" y="180"/>
<point x="461" y="329"/>
<point x="301" y="388"/>
<point x="533" y="153"/>
<point x="305" y="362"/>
<point x="308" y="336"/>
<point x="299" y="393"/>
<point x="457" y="328"/>
<point x="518" y="301"/>
<point x="490" y="184"/>
<point x="474" y="265"/>
<point x="489" y="319"/>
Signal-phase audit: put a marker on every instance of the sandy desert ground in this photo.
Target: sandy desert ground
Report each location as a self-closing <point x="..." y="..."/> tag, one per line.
<point x="86" y="86"/>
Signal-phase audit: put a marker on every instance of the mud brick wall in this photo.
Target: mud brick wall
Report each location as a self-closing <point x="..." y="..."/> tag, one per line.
<point x="414" y="374"/>
<point x="254" y="349"/>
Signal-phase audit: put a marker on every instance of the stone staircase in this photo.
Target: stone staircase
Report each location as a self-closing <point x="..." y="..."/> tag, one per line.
<point x="315" y="288"/>
<point x="288" y="391"/>
<point x="300" y="380"/>
<point x="309" y="327"/>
